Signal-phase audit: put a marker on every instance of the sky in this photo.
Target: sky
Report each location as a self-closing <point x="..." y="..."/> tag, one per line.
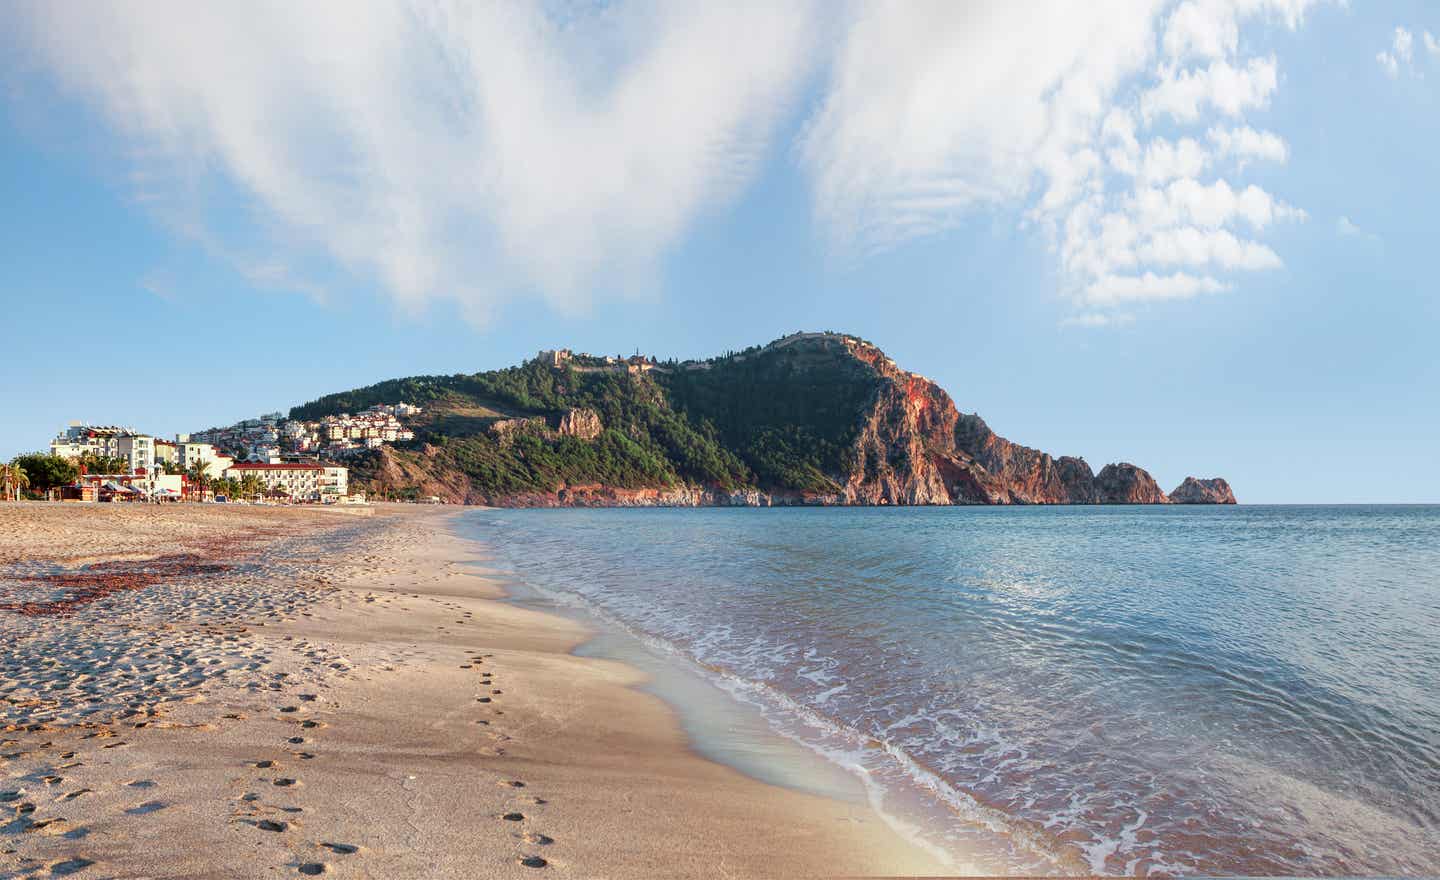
<point x="1197" y="235"/>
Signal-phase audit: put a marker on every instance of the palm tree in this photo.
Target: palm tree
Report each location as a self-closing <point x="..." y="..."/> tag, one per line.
<point x="13" y="478"/>
<point x="251" y="485"/>
<point x="199" y="476"/>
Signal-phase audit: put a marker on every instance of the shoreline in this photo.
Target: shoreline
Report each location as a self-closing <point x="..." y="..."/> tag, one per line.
<point x="378" y="727"/>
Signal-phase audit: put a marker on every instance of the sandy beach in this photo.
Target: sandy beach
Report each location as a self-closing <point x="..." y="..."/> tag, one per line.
<point x="202" y="691"/>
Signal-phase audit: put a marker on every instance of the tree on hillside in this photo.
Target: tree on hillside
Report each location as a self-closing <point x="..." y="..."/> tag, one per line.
<point x="47" y="471"/>
<point x="12" y="480"/>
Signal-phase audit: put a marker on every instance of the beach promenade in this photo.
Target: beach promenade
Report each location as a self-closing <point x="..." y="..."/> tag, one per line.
<point x="202" y="691"/>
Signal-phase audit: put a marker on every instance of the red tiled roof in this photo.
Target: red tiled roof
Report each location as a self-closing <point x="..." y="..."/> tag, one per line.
<point x="285" y="466"/>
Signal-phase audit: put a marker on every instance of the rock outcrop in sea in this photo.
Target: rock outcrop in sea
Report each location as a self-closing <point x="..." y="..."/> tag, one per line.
<point x="1198" y="491"/>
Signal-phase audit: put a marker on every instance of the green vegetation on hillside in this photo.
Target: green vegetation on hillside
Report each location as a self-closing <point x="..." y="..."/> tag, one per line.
<point x="775" y="420"/>
<point x="790" y="412"/>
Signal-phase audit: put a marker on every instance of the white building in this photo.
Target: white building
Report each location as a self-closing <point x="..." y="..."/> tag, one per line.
<point x="79" y="439"/>
<point x="334" y="483"/>
<point x="301" y="480"/>
<point x="109" y="441"/>
<point x="189" y="453"/>
<point x="139" y="450"/>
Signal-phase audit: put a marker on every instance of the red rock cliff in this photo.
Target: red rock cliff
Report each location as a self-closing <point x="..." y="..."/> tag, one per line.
<point x="1197" y="491"/>
<point x="914" y="447"/>
<point x="1125" y="483"/>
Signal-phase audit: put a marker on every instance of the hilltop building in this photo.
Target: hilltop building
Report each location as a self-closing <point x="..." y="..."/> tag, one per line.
<point x="272" y="437"/>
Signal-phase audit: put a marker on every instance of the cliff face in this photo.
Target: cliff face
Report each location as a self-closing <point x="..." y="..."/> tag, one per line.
<point x="1125" y="483"/>
<point x="1197" y="491"/>
<point x="914" y="447"/>
<point x="1025" y="475"/>
<point x="814" y="418"/>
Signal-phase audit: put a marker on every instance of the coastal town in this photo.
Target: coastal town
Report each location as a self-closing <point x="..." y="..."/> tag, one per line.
<point x="268" y="459"/>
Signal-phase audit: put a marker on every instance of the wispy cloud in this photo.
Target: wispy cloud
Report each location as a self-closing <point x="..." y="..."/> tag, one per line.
<point x="1347" y="228"/>
<point x="445" y="150"/>
<point x="1400" y="53"/>
<point x="934" y="110"/>
<point x="476" y="152"/>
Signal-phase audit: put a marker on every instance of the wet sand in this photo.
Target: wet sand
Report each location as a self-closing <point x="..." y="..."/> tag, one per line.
<point x="289" y="692"/>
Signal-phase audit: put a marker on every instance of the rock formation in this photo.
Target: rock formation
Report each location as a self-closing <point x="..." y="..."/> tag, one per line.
<point x="1197" y="491"/>
<point x="1124" y="483"/>
<point x="583" y="424"/>
<point x="813" y="418"/>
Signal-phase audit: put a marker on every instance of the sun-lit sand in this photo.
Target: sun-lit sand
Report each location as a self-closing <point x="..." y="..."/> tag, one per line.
<point x="202" y="691"/>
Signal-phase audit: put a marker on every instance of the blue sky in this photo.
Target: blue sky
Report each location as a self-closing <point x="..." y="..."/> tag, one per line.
<point x="1198" y="236"/>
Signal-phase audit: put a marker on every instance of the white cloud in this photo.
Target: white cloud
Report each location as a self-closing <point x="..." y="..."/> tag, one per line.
<point x="1245" y="143"/>
<point x="481" y="151"/>
<point x="1165" y="161"/>
<point x="1211" y="28"/>
<point x="1401" y="54"/>
<point x="1185" y="94"/>
<point x="461" y="151"/>
<point x="935" y="110"/>
<point x="936" y="107"/>
<point x="1115" y="289"/>
<point x="1432" y="45"/>
<point x="1191" y="203"/>
<point x="1404" y="44"/>
<point x="1204" y="248"/>
<point x="1347" y="228"/>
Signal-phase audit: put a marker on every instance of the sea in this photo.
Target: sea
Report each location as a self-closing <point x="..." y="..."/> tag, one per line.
<point x="1246" y="690"/>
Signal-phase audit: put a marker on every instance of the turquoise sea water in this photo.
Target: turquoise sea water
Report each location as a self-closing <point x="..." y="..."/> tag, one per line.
<point x="1241" y="690"/>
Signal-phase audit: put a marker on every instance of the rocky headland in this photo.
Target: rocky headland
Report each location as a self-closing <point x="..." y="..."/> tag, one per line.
<point x="810" y="419"/>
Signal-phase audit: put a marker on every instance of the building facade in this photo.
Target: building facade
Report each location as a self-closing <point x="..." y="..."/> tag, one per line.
<point x="188" y="454"/>
<point x="300" y="480"/>
<point x="139" y="450"/>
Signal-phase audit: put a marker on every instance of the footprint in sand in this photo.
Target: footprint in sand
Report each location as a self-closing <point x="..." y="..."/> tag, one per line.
<point x="272" y="825"/>
<point x="314" y="869"/>
<point x="538" y="839"/>
<point x="70" y="866"/>
<point x="532" y="861"/>
<point x="341" y="848"/>
<point x="266" y="765"/>
<point x="513" y="817"/>
<point x="46" y="826"/>
<point x="141" y="783"/>
<point x="286" y="782"/>
<point x="147" y="807"/>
